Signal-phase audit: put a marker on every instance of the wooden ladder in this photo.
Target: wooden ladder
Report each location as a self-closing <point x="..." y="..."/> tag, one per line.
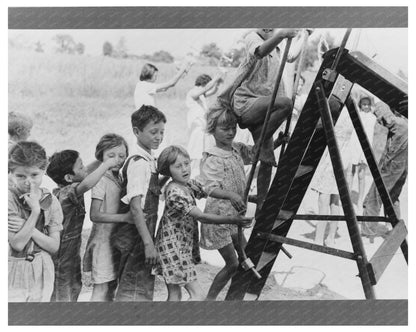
<point x="312" y="134"/>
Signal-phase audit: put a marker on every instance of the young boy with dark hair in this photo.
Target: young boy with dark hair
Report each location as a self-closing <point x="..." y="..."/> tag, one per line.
<point x="71" y="176"/>
<point x="136" y="242"/>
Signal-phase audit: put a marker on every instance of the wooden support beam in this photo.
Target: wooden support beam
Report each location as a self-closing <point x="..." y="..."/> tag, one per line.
<point x="282" y="217"/>
<point x="265" y="258"/>
<point x="328" y="217"/>
<point x="307" y="245"/>
<point x="386" y="251"/>
<point x="302" y="170"/>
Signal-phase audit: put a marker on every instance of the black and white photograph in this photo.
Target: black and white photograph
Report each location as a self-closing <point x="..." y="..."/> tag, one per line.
<point x="192" y="163"/>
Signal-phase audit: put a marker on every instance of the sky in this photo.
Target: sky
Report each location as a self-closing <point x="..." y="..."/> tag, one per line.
<point x="389" y="47"/>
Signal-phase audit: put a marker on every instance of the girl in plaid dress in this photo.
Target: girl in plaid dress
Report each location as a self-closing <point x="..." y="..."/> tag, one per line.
<point x="177" y="236"/>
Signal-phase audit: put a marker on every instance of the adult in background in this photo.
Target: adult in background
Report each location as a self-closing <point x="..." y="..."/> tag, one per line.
<point x="393" y="169"/>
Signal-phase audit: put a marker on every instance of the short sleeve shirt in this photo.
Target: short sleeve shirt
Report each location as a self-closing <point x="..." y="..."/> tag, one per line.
<point x="259" y="74"/>
<point x="49" y="205"/>
<point x="139" y="173"/>
<point x="144" y="94"/>
<point x="107" y="190"/>
<point x="73" y="208"/>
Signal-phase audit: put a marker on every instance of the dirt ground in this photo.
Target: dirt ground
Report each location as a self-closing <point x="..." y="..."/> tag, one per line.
<point x="207" y="272"/>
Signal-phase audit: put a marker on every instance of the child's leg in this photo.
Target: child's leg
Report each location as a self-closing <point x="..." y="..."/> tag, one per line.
<point x="253" y="118"/>
<point x="333" y="225"/>
<point x="239" y="247"/>
<point x="100" y="292"/>
<point x="361" y="187"/>
<point x="112" y="287"/>
<point x="323" y="206"/>
<point x="263" y="182"/>
<point x="349" y="175"/>
<point x="255" y="115"/>
<point x="174" y="292"/>
<point x="195" y="291"/>
<point x="227" y="272"/>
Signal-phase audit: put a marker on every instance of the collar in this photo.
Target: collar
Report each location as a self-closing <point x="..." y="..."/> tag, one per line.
<point x="143" y="153"/>
<point x="111" y="177"/>
<point x="216" y="151"/>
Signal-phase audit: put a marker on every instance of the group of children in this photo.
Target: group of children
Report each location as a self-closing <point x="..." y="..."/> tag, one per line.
<point x="125" y="250"/>
<point x="122" y="252"/>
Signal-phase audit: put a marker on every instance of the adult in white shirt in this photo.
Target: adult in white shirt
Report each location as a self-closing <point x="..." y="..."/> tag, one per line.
<point x="146" y="88"/>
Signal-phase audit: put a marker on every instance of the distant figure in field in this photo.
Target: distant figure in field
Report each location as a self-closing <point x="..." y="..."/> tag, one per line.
<point x="198" y="139"/>
<point x="146" y="88"/>
<point x="20" y="127"/>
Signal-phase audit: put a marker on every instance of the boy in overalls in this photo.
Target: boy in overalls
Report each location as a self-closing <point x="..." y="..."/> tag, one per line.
<point x="135" y="242"/>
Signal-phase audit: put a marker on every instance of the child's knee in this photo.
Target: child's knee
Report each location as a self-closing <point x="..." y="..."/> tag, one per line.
<point x="283" y="104"/>
<point x="233" y="267"/>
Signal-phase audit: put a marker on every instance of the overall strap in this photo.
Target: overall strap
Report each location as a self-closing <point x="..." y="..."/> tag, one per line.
<point x="126" y="165"/>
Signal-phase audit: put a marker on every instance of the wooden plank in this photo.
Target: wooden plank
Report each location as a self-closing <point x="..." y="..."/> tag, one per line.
<point x="282" y="217"/>
<point x="308" y="245"/>
<point x="302" y="170"/>
<point x="387" y="250"/>
<point x="265" y="258"/>
<point x="330" y="217"/>
<point x="362" y="70"/>
<point x="379" y="70"/>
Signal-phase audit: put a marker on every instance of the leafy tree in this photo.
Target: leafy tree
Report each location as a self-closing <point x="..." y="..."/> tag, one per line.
<point x="66" y="43"/>
<point x="107" y="49"/>
<point x="39" y="47"/>
<point x="162" y="56"/>
<point x="311" y="55"/>
<point x="121" y="49"/>
<point x="211" y="51"/>
<point x="236" y="56"/>
<point x="80" y="48"/>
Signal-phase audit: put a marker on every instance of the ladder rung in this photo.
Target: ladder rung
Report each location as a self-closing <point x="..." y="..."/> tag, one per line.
<point x="302" y="170"/>
<point x="265" y="258"/>
<point x="282" y="217"/>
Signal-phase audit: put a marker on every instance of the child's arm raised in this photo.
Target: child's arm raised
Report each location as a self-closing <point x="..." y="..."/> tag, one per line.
<point x="100" y="217"/>
<point x="172" y="82"/>
<point x="92" y="179"/>
<point x="271" y="43"/>
<point x="54" y="216"/>
<point x="209" y="218"/>
<point x="140" y="222"/>
<point x="210" y="86"/>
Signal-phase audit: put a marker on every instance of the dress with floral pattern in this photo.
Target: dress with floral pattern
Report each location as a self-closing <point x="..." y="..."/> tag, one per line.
<point x="224" y="170"/>
<point x="177" y="235"/>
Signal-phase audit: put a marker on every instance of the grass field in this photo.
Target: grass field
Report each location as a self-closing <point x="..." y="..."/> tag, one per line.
<point x="74" y="100"/>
